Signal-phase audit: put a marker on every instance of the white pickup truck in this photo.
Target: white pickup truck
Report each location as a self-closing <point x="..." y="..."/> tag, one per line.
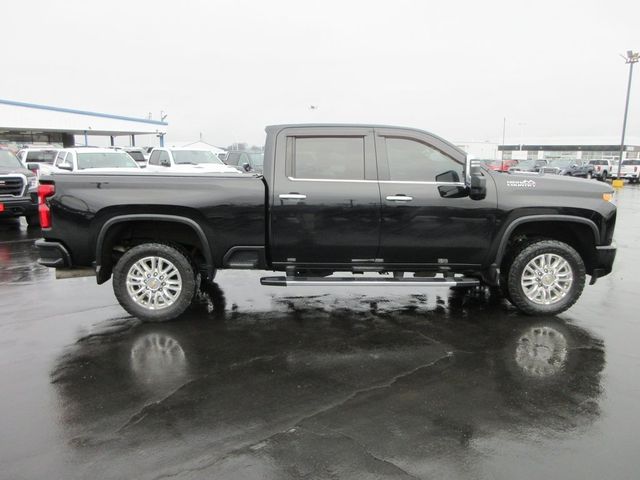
<point x="630" y="170"/>
<point x="187" y="160"/>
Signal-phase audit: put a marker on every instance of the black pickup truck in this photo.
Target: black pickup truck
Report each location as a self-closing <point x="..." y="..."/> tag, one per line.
<point x="390" y="206"/>
<point x="18" y="189"/>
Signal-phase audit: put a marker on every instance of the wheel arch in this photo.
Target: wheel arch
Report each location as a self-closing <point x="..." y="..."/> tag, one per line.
<point x="109" y="227"/>
<point x="583" y="234"/>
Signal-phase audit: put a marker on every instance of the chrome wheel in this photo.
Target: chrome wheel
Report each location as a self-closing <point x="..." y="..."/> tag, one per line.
<point x="546" y="279"/>
<point x="154" y="283"/>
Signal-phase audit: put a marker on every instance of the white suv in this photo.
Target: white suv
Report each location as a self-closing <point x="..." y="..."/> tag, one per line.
<point x="187" y="160"/>
<point x="86" y="158"/>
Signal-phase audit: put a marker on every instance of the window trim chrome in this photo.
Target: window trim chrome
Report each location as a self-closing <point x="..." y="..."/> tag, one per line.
<point x="401" y="182"/>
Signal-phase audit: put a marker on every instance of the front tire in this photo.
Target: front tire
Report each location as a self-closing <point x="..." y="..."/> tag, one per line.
<point x="154" y="282"/>
<point x="546" y="277"/>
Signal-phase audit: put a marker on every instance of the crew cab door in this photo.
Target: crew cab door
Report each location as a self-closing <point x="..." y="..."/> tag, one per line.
<point x="427" y="216"/>
<point x="325" y="200"/>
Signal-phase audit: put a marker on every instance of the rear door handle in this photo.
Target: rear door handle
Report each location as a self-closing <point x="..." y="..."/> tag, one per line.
<point x="292" y="196"/>
<point x="399" y="198"/>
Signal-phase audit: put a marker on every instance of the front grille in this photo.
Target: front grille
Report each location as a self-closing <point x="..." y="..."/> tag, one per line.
<point x="11" y="186"/>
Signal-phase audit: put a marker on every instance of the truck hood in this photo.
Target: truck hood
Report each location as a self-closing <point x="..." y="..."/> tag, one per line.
<point x="19" y="171"/>
<point x="550" y="185"/>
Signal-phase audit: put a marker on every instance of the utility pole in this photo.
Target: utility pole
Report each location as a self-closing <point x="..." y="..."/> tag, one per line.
<point x="504" y="129"/>
<point x="631" y="58"/>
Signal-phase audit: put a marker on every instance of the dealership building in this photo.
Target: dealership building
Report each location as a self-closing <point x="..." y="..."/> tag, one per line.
<point x="31" y="124"/>
<point x="608" y="149"/>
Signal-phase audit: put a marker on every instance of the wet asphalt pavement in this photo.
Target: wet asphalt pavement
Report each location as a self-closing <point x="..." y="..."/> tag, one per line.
<point x="297" y="383"/>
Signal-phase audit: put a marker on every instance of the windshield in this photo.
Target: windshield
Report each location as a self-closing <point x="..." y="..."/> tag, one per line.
<point x="137" y="155"/>
<point x="194" y="157"/>
<point x="526" y="164"/>
<point x="490" y="162"/>
<point x="105" y="160"/>
<point x="9" y="160"/>
<point x="41" y="156"/>
<point x="257" y="159"/>
<point x="562" y="163"/>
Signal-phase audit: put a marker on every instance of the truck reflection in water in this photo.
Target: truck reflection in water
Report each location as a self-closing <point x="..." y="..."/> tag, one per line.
<point x="158" y="359"/>
<point x="541" y="352"/>
<point x="417" y="379"/>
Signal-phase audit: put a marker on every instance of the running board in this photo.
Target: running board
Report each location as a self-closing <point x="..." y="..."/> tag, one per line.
<point x="369" y="282"/>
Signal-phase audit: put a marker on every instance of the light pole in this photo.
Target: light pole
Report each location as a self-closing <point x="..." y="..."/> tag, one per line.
<point x="631" y="58"/>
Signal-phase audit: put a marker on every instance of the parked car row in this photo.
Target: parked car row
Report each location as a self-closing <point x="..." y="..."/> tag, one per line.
<point x="598" y="169"/>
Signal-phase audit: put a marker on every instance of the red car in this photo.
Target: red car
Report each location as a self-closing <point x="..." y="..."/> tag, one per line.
<point x="499" y="165"/>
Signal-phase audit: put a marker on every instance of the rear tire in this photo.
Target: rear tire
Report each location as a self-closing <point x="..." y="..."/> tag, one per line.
<point x="154" y="282"/>
<point x="546" y="277"/>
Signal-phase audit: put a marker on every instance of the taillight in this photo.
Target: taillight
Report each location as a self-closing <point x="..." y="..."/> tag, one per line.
<point x="598" y="168"/>
<point x="635" y="169"/>
<point x="45" y="190"/>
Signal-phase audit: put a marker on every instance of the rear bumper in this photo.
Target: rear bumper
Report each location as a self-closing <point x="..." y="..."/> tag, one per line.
<point x="605" y="255"/>
<point x="53" y="254"/>
<point x="17" y="207"/>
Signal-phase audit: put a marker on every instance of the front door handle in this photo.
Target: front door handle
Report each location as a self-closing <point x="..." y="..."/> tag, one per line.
<point x="399" y="198"/>
<point x="292" y="196"/>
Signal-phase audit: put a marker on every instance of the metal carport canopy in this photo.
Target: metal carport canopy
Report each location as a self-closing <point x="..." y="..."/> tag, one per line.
<point x="30" y="117"/>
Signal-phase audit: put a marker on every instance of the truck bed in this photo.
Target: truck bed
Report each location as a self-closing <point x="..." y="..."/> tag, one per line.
<point x="229" y="209"/>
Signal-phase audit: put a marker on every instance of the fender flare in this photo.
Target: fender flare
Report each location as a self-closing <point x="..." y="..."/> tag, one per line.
<point x="206" y="248"/>
<point x="542" y="218"/>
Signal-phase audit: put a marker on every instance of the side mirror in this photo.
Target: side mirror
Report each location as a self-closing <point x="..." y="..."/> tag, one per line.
<point x="477" y="183"/>
<point x="65" y="166"/>
<point x="450" y="176"/>
<point x="165" y="163"/>
<point x="246" y="167"/>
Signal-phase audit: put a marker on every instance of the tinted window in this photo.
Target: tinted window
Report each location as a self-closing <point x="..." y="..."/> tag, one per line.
<point x="410" y="160"/>
<point x="631" y="162"/>
<point x="163" y="158"/>
<point x="257" y="159"/>
<point x="42" y="156"/>
<point x="136" y="155"/>
<point x="232" y="158"/>
<point x="154" y="159"/>
<point x="194" y="157"/>
<point x="339" y="158"/>
<point x="598" y="162"/>
<point x="105" y="160"/>
<point x="59" y="158"/>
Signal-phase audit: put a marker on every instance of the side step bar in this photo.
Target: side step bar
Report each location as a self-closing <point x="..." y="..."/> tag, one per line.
<point x="369" y="282"/>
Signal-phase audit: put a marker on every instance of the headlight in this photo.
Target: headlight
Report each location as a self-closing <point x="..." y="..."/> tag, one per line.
<point x="33" y="183"/>
<point x="609" y="197"/>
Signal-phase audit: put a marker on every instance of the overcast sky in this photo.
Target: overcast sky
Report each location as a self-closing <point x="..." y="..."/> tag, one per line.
<point x="228" y="68"/>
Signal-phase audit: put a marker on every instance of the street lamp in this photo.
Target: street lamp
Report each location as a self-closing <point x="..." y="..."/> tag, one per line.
<point x="631" y="58"/>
